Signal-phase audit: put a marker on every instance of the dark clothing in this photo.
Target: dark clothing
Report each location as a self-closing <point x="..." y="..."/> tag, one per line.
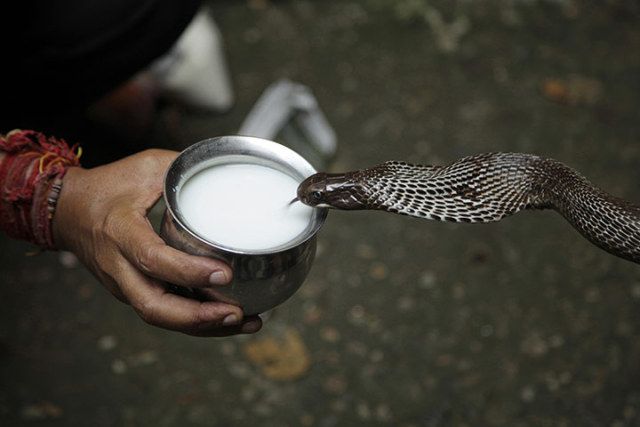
<point x="60" y="55"/>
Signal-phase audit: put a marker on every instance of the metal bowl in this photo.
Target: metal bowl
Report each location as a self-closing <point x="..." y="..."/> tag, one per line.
<point x="262" y="279"/>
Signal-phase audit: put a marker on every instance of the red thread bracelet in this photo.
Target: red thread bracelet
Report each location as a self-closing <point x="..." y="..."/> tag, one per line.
<point x="30" y="182"/>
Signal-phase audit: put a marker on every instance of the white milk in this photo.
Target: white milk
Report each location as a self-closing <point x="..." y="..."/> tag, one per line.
<point x="243" y="206"/>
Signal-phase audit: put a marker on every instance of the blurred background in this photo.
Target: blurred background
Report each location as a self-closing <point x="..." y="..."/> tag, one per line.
<point x="401" y="322"/>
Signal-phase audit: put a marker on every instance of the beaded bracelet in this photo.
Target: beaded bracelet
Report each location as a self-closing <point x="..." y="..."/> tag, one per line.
<point x="31" y="175"/>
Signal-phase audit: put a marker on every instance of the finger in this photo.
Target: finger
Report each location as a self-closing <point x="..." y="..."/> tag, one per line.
<point x="112" y="286"/>
<point x="249" y="325"/>
<point x="162" y="157"/>
<point x="151" y="255"/>
<point x="158" y="307"/>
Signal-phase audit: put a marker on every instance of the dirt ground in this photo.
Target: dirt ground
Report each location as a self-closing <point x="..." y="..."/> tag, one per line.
<point x="401" y="322"/>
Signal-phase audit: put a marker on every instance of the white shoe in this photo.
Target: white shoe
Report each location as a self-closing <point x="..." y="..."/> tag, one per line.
<point x="194" y="71"/>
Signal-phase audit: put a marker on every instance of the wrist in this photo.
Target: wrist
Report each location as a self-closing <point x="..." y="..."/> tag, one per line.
<point x="65" y="218"/>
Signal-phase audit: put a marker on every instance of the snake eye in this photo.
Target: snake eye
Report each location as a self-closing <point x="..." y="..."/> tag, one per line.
<point x="316" y="196"/>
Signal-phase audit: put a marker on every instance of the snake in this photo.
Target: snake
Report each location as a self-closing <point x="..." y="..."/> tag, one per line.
<point x="483" y="188"/>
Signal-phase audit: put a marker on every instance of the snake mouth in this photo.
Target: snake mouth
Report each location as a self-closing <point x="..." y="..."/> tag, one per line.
<point x="319" y="205"/>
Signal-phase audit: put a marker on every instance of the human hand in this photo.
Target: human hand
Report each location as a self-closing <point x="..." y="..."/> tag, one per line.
<point x="102" y="218"/>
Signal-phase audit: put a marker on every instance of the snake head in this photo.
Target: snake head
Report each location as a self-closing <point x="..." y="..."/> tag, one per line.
<point x="325" y="190"/>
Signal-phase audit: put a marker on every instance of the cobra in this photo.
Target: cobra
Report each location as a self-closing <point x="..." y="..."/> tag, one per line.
<point x="484" y="188"/>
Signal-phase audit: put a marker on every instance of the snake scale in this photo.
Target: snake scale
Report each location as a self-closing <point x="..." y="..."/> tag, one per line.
<point x="484" y="188"/>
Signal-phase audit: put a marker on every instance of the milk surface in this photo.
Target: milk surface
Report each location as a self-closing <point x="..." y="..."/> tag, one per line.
<point x="243" y="206"/>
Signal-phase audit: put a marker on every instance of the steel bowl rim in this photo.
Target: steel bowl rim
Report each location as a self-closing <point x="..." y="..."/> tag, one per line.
<point x="320" y="214"/>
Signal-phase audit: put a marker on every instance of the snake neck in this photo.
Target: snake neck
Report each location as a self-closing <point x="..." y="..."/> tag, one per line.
<point x="489" y="187"/>
<point x="480" y="188"/>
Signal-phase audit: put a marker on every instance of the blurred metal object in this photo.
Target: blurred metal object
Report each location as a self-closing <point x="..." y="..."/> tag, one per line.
<point x="262" y="279"/>
<point x="288" y="112"/>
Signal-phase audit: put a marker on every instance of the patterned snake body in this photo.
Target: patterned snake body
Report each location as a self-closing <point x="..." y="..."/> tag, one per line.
<point x="484" y="188"/>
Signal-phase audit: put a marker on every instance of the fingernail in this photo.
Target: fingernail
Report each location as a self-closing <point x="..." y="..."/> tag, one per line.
<point x="218" y="278"/>
<point x="231" y="319"/>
